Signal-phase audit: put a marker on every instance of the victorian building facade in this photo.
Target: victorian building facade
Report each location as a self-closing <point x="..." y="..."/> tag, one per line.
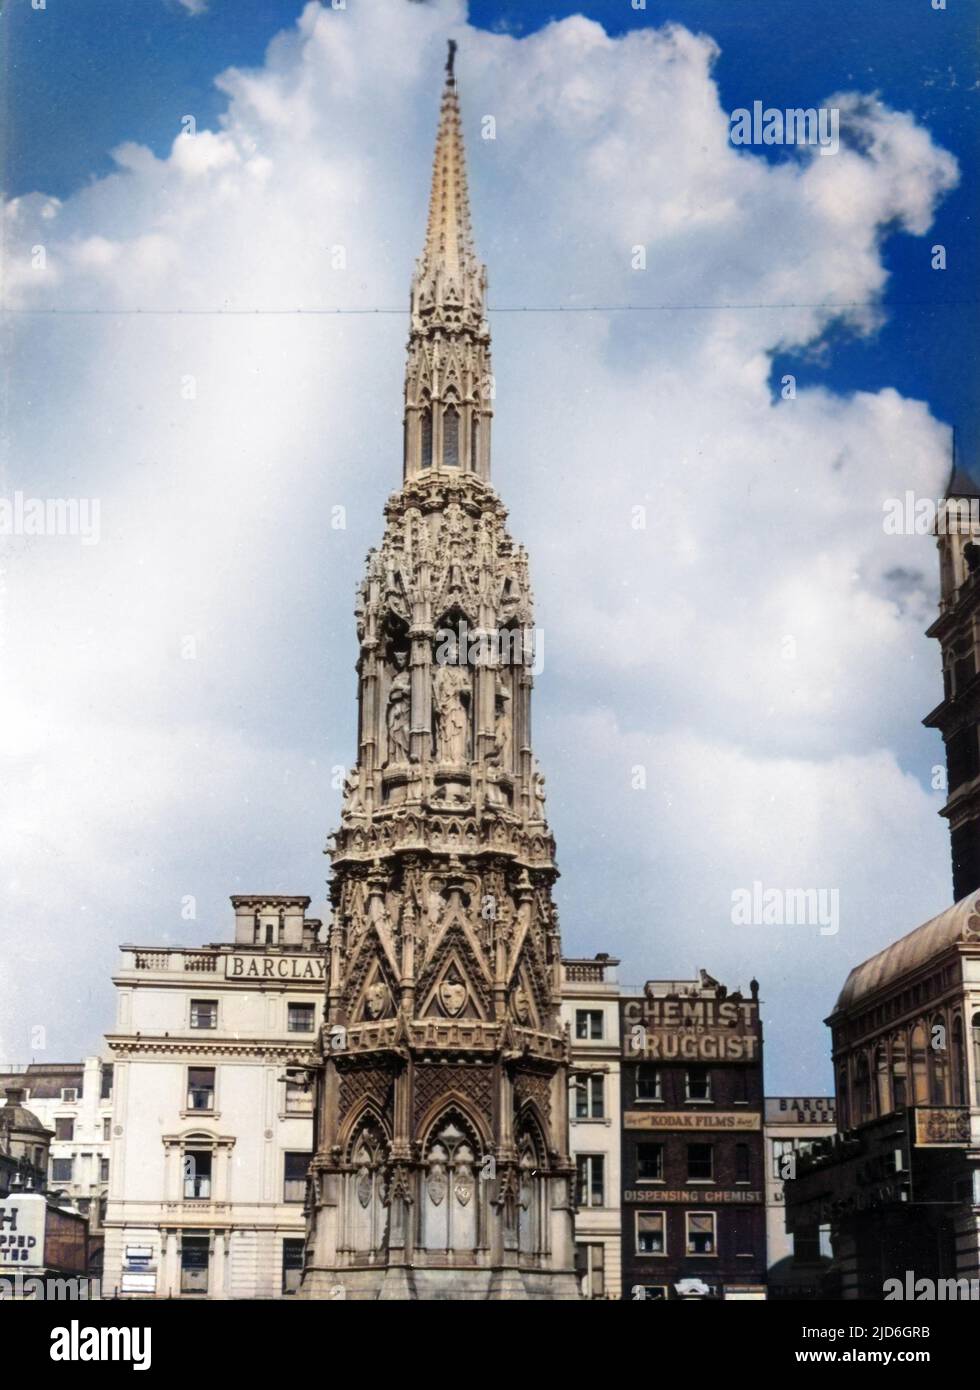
<point x="212" y="1109"/>
<point x="793" y="1125"/>
<point x="590" y="1011"/>
<point x="900" y="1180"/>
<point x="693" y="1180"/>
<point x="441" y="1167"/>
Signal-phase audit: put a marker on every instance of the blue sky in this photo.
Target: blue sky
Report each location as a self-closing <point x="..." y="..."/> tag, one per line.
<point x="83" y="77"/>
<point x="136" y="778"/>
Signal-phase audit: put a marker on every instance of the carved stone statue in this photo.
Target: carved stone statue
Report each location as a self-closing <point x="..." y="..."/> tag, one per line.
<point x="399" y="712"/>
<point x="353" y="805"/>
<point x="501" y="753"/>
<point x="450" y="685"/>
<point x="537" y="791"/>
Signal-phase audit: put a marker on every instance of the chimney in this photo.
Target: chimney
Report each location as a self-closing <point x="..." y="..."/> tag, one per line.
<point x="15" y="1095"/>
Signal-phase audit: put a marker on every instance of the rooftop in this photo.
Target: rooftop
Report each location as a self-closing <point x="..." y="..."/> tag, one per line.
<point x="959" y="924"/>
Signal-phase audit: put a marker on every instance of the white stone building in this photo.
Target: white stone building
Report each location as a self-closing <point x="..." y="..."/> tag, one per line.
<point x="590" y="1008"/>
<point x="792" y="1125"/>
<point x="74" y="1101"/>
<point x="212" y="1122"/>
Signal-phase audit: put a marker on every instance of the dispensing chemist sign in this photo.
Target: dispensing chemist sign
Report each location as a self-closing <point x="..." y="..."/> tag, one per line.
<point x="22" y="1232"/>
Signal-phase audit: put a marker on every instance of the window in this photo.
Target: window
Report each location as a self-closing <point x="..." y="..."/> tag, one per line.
<point x="958" y="1061"/>
<point x="450" y="437"/>
<point x="204" y="1013"/>
<point x="920" y="1084"/>
<point x="588" y="1023"/>
<point x="899" y="1072"/>
<point x="426" y="431"/>
<point x="64" y="1130"/>
<point x="698" y="1084"/>
<point x="700" y="1162"/>
<point x="742" y="1163"/>
<point x="194" y="1260"/>
<point x="299" y="1098"/>
<point x="591" y="1180"/>
<point x="744" y="1228"/>
<point x="197" y="1175"/>
<point x="700" y="1226"/>
<point x="292" y="1264"/>
<point x="69" y="1094"/>
<point x="301" y="1018"/>
<point x="200" y="1088"/>
<point x="103" y="1170"/>
<point x="647" y="1083"/>
<point x="806" y="1247"/>
<point x="740" y="1086"/>
<point x="651" y="1236"/>
<point x="590" y="1096"/>
<point x="105" y="1086"/>
<point x="649" y="1162"/>
<point x="107" y="1127"/>
<point x="881" y="1080"/>
<point x="294" y="1176"/>
<point x="862" y="1089"/>
<point x="590" y="1266"/>
<point x="62" y="1169"/>
<point x="938" y="1062"/>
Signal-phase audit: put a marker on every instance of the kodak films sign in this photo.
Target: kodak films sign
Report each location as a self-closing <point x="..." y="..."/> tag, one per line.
<point x="692" y="1119"/>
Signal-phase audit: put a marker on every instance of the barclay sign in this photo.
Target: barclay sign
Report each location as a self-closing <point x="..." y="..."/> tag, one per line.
<point x="265" y="967"/>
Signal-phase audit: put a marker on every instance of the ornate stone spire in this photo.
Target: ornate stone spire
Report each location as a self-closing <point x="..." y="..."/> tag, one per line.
<point x="448" y="385"/>
<point x="441" y="1165"/>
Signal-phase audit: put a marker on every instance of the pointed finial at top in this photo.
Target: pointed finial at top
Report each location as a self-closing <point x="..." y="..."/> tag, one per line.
<point x="451" y="61"/>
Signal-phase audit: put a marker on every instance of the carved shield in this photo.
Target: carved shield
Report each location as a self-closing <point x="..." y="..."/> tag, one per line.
<point x="437" y="1184"/>
<point x="452" y="996"/>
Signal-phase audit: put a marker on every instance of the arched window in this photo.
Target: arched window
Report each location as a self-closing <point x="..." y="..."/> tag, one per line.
<point x="365" y="1190"/>
<point x="450" y="1192"/>
<point x="881" y="1079"/>
<point x="920" y="1079"/>
<point x="530" y="1201"/>
<point x="843" y="1099"/>
<point x="425" y="429"/>
<point x="900" y="1077"/>
<point x="475" y="442"/>
<point x="862" y="1089"/>
<point x="975" y="1041"/>
<point x="957" y="1061"/>
<point x="938" y="1061"/>
<point x="450" y="437"/>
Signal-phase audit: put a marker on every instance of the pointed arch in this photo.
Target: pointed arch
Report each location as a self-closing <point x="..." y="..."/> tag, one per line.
<point x="532" y="1160"/>
<point x="364" y="1214"/>
<point x="425" y="434"/>
<point x="452" y="1213"/>
<point x="450" y="436"/>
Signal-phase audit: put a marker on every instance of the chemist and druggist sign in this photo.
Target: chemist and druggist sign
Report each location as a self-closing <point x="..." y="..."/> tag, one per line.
<point x="657" y="1029"/>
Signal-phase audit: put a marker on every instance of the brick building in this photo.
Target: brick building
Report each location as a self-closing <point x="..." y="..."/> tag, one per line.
<point x="693" y="1175"/>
